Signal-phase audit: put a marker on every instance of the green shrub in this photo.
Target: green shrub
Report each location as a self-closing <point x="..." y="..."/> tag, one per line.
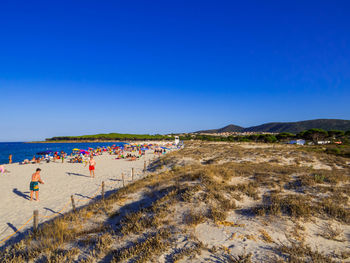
<point x="319" y="178"/>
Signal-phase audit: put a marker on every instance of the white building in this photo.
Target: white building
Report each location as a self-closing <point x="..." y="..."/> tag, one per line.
<point x="298" y="142"/>
<point x="323" y="142"/>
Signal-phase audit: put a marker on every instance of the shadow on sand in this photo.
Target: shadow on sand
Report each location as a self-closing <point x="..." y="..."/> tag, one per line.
<point x="83" y="196"/>
<point x="115" y="180"/>
<point x="52" y="211"/>
<point x="12" y="227"/>
<point x="76" y="174"/>
<point x="21" y="194"/>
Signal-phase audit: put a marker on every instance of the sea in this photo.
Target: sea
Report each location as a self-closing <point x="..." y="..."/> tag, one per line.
<point x="22" y="150"/>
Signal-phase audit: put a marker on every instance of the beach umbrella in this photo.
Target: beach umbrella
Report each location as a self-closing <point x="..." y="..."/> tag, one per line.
<point x="76" y="149"/>
<point x="144" y="149"/>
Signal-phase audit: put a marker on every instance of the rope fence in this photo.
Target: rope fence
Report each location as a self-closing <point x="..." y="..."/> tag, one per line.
<point x="8" y="237"/>
<point x="36" y="216"/>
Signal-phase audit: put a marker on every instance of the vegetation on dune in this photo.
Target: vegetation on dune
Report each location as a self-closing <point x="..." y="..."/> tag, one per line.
<point x="203" y="183"/>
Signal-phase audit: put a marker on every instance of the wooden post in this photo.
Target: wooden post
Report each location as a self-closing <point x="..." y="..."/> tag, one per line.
<point x="132" y="174"/>
<point x="35" y="221"/>
<point x="123" y="179"/>
<point x="103" y="190"/>
<point x="73" y="204"/>
<point x="144" y="166"/>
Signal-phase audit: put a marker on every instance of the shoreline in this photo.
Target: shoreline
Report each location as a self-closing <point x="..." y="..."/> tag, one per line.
<point x="26" y="150"/>
<point x="109" y="141"/>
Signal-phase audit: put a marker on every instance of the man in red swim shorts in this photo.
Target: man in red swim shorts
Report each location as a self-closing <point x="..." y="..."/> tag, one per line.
<point x="92" y="165"/>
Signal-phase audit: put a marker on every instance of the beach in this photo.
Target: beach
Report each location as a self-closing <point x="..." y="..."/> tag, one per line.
<point x="207" y="202"/>
<point x="61" y="180"/>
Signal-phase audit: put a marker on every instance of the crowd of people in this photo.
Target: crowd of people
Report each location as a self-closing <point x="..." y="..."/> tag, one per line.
<point x="129" y="152"/>
<point x="159" y="151"/>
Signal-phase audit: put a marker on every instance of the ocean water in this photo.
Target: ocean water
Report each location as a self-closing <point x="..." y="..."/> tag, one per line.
<point x="21" y="151"/>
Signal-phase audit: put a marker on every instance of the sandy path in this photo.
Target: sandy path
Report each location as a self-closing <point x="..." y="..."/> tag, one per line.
<point x="61" y="181"/>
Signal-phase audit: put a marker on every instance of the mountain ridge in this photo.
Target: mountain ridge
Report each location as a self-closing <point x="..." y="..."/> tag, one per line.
<point x="292" y="127"/>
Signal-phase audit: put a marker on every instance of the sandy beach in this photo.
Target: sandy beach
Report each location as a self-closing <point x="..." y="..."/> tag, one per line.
<point x="61" y="181"/>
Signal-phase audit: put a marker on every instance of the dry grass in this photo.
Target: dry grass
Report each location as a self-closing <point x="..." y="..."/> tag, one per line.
<point x="187" y="252"/>
<point x="302" y="206"/>
<point x="265" y="236"/>
<point x="144" y="249"/>
<point x="297" y="252"/>
<point x="292" y="205"/>
<point x="332" y="233"/>
<point x="243" y="258"/>
<point x="194" y="218"/>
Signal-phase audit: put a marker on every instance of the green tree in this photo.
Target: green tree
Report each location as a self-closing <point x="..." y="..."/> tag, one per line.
<point x="270" y="138"/>
<point x="315" y="135"/>
<point x="335" y="133"/>
<point x="253" y="137"/>
<point x="285" y="136"/>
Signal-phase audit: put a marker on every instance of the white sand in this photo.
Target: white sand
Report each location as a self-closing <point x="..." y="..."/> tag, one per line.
<point x="61" y="181"/>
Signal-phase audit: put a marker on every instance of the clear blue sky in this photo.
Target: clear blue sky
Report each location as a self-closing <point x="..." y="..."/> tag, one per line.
<point x="85" y="67"/>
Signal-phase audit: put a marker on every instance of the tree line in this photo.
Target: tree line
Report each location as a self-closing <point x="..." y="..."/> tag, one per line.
<point x="111" y="137"/>
<point x="311" y="135"/>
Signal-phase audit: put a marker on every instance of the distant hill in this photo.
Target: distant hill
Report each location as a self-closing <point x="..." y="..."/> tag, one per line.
<point x="228" y="128"/>
<point x="293" y="127"/>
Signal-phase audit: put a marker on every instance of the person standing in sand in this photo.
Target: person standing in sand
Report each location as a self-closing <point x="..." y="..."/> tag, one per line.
<point x="34" y="184"/>
<point x="10" y="158"/>
<point x="62" y="156"/>
<point x="92" y="165"/>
